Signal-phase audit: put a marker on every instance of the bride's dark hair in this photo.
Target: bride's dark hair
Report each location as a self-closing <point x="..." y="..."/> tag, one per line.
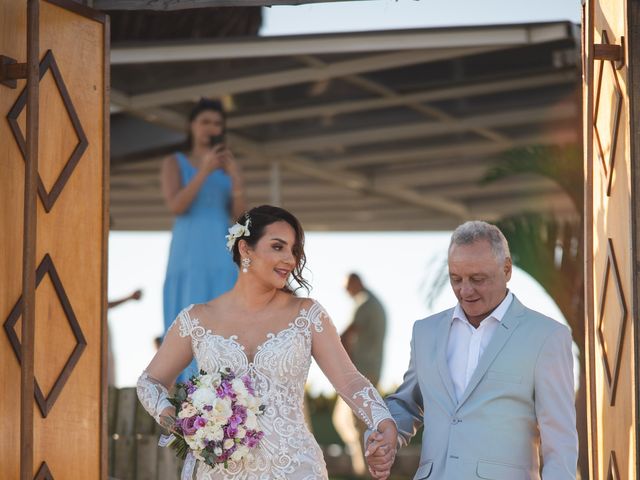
<point x="264" y="215"/>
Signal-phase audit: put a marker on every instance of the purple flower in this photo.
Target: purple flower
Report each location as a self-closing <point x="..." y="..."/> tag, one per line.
<point x="188" y="425"/>
<point x="225" y="390"/>
<point x="235" y="420"/>
<point x="246" y="379"/>
<point x="200" y="422"/>
<point x="230" y="431"/>
<point x="252" y="438"/>
<point x="240" y="411"/>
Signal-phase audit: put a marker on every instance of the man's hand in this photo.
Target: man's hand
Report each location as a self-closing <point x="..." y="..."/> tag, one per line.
<point x="381" y="450"/>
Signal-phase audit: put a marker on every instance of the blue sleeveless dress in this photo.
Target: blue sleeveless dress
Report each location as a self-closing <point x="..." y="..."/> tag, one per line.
<point x="200" y="267"/>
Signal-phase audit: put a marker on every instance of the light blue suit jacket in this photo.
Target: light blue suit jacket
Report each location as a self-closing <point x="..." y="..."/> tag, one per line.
<point x="518" y="407"/>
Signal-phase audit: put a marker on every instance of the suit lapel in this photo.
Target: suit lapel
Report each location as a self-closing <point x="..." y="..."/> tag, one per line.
<point x="441" y="354"/>
<point x="500" y="337"/>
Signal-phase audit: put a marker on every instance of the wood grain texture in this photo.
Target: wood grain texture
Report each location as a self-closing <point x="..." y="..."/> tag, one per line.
<point x="13" y="34"/>
<point x="610" y="214"/>
<point x="72" y="235"/>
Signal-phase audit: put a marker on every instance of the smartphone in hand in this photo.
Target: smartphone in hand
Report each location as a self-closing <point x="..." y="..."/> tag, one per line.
<point x="216" y="140"/>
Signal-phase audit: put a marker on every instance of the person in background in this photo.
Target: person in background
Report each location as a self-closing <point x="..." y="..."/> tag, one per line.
<point x="203" y="188"/>
<point x="363" y="340"/>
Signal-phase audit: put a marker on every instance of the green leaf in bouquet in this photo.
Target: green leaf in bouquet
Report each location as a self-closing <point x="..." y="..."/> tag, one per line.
<point x="180" y="446"/>
<point x="181" y="395"/>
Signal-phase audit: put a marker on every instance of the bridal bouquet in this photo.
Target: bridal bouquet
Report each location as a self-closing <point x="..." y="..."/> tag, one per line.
<point x="216" y="418"/>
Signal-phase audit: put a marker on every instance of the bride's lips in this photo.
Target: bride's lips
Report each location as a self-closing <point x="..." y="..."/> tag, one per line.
<point x="282" y="272"/>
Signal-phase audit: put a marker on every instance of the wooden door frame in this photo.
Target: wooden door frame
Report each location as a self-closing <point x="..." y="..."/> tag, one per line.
<point x="588" y="103"/>
<point x="633" y="62"/>
<point x="633" y="83"/>
<point x="27" y="375"/>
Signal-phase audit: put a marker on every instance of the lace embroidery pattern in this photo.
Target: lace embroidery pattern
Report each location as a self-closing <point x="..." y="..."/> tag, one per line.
<point x="279" y="369"/>
<point x="372" y="399"/>
<point x="153" y="395"/>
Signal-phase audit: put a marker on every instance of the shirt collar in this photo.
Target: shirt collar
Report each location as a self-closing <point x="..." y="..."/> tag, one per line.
<point x="497" y="314"/>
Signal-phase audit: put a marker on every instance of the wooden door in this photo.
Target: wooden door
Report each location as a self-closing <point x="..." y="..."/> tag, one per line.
<point x="610" y="61"/>
<point x="67" y="436"/>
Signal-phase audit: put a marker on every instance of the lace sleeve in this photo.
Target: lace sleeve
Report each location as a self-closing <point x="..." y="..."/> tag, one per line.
<point x="153" y="395"/>
<point x="173" y="356"/>
<point x="351" y="385"/>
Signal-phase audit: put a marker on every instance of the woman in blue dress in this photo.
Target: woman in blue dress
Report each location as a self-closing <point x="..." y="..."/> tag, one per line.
<point x="203" y="188"/>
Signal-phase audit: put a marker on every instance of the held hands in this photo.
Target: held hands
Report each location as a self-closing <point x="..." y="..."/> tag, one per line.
<point x="381" y="450"/>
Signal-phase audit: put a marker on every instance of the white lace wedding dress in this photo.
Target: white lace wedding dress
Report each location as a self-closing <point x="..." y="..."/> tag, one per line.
<point x="279" y="370"/>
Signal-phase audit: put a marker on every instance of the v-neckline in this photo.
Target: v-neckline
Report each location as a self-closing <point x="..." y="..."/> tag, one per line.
<point x="302" y="313"/>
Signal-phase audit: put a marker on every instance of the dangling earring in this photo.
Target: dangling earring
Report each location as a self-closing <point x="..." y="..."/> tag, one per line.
<point x="246" y="263"/>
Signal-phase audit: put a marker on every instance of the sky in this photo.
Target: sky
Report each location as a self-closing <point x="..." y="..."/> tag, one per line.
<point x="390" y="14"/>
<point x="395" y="266"/>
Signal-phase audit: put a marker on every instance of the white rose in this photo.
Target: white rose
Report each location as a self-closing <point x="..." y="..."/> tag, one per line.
<point x="217" y="451"/>
<point x="254" y="403"/>
<point x="206" y="381"/>
<point x="228" y="443"/>
<point x="240" y="453"/>
<point x="187" y="411"/>
<point x="241" y="433"/>
<point x="251" y="423"/>
<point x="195" y="443"/>
<point x="239" y="387"/>
<point x="203" y="396"/>
<point x="215" y="435"/>
<point x="221" y="410"/>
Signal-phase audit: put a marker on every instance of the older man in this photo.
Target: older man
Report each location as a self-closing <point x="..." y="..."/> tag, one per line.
<point x="490" y="379"/>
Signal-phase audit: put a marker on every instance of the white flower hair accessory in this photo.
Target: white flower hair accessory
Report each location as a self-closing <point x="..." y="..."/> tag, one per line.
<point x="237" y="231"/>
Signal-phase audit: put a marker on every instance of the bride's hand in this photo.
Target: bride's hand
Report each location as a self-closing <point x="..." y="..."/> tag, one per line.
<point x="381" y="449"/>
<point x="168" y="418"/>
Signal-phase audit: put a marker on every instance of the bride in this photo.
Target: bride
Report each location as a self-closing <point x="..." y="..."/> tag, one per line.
<point x="261" y="329"/>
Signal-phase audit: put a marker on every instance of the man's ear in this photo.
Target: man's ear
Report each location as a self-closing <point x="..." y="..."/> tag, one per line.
<point x="508" y="268"/>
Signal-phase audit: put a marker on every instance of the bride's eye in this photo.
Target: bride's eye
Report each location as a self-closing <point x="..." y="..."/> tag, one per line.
<point x="277" y="247"/>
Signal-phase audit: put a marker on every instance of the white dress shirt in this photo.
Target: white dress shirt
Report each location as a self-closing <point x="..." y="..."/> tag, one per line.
<point x="466" y="343"/>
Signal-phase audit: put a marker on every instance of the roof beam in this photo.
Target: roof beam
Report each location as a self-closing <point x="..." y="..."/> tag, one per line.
<point x="467" y="149"/>
<point x="287" y="113"/>
<point x="357" y="182"/>
<point x="293" y="76"/>
<point x="423" y="129"/>
<point x="381" y="41"/>
<point x="428" y="111"/>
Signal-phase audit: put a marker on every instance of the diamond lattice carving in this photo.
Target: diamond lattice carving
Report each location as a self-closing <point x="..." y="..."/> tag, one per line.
<point x="49" y="198"/>
<point x="43" y="473"/>
<point x="612" y="357"/>
<point x="45" y="403"/>
<point x="612" y="469"/>
<point x="608" y="162"/>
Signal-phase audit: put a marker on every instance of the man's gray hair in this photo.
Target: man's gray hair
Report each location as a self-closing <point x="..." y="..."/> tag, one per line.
<point x="475" y="230"/>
